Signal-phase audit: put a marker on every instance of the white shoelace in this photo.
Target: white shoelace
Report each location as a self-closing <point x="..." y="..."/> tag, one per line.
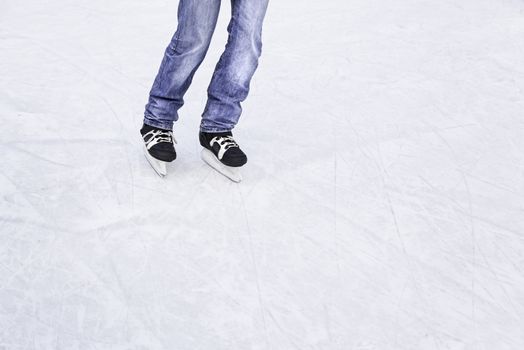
<point x="225" y="143"/>
<point x="158" y="136"/>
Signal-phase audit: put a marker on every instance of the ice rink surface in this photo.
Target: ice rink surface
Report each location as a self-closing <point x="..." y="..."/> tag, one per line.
<point x="382" y="206"/>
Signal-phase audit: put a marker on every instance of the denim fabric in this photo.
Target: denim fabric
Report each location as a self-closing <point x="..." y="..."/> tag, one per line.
<point x="230" y="82"/>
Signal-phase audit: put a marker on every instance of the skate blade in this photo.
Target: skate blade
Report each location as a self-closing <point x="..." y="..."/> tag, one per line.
<point x="230" y="172"/>
<point x="158" y="166"/>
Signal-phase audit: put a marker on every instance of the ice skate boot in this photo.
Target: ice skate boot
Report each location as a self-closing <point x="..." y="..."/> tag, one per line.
<point x="223" y="154"/>
<point x="159" y="147"/>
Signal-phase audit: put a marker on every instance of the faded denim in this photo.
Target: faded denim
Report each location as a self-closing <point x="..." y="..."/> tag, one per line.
<point x="229" y="85"/>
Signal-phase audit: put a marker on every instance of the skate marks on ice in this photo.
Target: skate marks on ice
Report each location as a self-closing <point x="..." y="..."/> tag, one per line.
<point x="382" y="208"/>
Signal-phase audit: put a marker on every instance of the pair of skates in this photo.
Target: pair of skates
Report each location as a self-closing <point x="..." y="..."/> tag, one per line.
<point x="220" y="151"/>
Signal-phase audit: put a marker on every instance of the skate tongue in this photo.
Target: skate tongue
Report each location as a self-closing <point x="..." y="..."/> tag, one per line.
<point x="147" y="128"/>
<point x="210" y="135"/>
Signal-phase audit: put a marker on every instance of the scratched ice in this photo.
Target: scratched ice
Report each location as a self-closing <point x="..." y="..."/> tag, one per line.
<point x="382" y="206"/>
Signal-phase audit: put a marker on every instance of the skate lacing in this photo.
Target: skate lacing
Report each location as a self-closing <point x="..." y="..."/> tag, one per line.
<point x="154" y="137"/>
<point x="225" y="142"/>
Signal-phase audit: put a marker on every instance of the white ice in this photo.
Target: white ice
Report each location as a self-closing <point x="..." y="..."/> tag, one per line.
<point x="382" y="206"/>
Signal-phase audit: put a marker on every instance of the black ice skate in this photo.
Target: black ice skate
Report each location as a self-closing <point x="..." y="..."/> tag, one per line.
<point x="159" y="147"/>
<point x="223" y="154"/>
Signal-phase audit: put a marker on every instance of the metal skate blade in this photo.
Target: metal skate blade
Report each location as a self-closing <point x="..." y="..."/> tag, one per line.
<point x="230" y="172"/>
<point x="158" y="166"/>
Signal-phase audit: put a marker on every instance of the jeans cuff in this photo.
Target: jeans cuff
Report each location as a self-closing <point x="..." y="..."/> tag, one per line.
<point x="157" y="124"/>
<point x="214" y="130"/>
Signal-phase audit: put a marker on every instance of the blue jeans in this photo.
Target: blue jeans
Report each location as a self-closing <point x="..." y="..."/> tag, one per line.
<point x="230" y="83"/>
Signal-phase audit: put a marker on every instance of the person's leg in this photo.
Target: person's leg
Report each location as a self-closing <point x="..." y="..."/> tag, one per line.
<point x="230" y="83"/>
<point x="196" y="23"/>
